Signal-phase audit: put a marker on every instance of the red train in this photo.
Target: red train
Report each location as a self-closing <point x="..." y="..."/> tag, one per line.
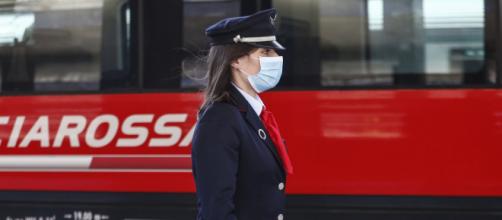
<point x="390" y="108"/>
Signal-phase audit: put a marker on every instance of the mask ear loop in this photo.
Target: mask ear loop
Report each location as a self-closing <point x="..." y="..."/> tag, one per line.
<point x="248" y="75"/>
<point x="245" y="72"/>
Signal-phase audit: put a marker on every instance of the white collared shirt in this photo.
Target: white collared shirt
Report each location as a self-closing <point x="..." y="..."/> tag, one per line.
<point x="256" y="103"/>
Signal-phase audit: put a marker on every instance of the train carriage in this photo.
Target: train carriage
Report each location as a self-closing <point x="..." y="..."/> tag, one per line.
<point x="392" y="109"/>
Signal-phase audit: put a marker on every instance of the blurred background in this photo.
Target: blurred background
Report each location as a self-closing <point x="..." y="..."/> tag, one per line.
<point x="389" y="107"/>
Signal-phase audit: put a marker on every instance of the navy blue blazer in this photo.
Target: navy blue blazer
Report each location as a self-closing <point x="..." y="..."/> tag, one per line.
<point x="236" y="168"/>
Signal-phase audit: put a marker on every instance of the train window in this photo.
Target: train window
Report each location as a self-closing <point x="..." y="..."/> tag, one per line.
<point x="70" y="45"/>
<point x="332" y="43"/>
<point x="195" y="44"/>
<point x="175" y="59"/>
<point x="174" y="48"/>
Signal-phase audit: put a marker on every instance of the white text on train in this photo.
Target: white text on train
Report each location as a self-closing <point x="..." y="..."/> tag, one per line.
<point x="72" y="126"/>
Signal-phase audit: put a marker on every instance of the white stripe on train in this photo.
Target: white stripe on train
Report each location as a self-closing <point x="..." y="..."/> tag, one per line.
<point x="86" y="163"/>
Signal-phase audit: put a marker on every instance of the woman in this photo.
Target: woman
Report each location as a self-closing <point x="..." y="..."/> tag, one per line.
<point x="239" y="160"/>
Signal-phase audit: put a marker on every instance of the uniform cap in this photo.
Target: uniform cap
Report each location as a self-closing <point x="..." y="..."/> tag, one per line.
<point x="257" y="29"/>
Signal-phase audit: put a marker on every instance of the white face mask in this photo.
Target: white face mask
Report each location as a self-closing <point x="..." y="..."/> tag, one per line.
<point x="269" y="74"/>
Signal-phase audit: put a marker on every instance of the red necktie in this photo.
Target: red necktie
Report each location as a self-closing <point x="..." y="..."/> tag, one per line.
<point x="270" y="123"/>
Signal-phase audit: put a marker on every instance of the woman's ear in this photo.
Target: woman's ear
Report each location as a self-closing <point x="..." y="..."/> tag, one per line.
<point x="235" y="63"/>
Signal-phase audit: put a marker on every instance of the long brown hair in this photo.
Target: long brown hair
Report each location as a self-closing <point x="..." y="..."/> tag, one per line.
<point x="219" y="73"/>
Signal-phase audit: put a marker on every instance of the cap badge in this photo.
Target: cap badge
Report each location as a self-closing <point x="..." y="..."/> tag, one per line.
<point x="272" y="19"/>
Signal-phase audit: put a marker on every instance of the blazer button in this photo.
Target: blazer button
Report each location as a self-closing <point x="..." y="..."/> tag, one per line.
<point x="281" y="186"/>
<point x="280" y="217"/>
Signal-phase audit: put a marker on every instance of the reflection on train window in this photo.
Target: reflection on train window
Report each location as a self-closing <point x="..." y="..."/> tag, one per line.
<point x="175" y="48"/>
<point x="197" y="16"/>
<point x="386" y="42"/>
<point x="54" y="45"/>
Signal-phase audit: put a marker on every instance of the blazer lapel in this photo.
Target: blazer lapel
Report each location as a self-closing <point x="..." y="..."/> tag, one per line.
<point x="254" y="121"/>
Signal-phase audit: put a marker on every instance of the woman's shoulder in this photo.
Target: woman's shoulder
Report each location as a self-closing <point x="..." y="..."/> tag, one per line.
<point x="218" y="111"/>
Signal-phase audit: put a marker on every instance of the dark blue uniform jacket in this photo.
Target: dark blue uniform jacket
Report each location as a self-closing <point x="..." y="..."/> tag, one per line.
<point x="238" y="174"/>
